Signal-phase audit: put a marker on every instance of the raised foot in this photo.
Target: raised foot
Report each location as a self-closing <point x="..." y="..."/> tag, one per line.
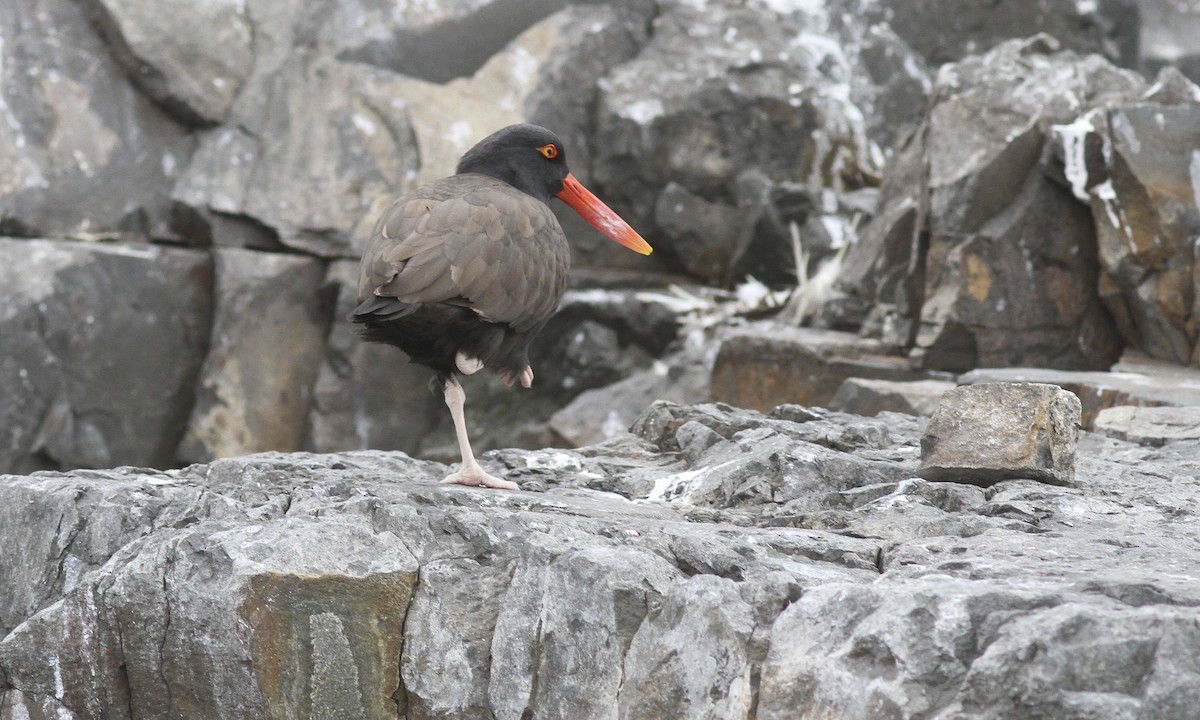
<point x="476" y="477"/>
<point x="525" y="377"/>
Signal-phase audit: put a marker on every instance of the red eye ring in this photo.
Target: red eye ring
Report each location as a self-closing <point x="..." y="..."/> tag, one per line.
<point x="549" y="151"/>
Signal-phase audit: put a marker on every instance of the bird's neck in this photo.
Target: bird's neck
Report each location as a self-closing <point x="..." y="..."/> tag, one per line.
<point x="507" y="174"/>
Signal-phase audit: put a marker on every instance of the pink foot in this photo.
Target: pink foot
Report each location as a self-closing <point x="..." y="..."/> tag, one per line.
<point x="476" y="477"/>
<point x="525" y="377"/>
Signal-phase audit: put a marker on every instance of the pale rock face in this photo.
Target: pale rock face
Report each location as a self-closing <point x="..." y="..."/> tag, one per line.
<point x="254" y="388"/>
<point x="808" y="574"/>
<point x="199" y="73"/>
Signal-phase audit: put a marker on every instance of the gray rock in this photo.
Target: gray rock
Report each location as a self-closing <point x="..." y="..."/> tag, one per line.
<point x="693" y="127"/>
<point x="256" y="385"/>
<point x="309" y="145"/>
<point x="437" y="43"/>
<point x="863" y="396"/>
<point x="17" y="704"/>
<point x="703" y="234"/>
<point x="1130" y="164"/>
<point x="192" y="58"/>
<point x="355" y="584"/>
<point x="1149" y="425"/>
<point x="603" y="413"/>
<point x="325" y="639"/>
<point x="995" y="431"/>
<point x="83" y="151"/>
<point x="954" y="266"/>
<point x="944" y="648"/>
<point x="255" y="544"/>
<point x="987" y="199"/>
<point x="102" y="347"/>
<point x="689" y="658"/>
<point x="943" y="31"/>
<point x="1169" y="32"/>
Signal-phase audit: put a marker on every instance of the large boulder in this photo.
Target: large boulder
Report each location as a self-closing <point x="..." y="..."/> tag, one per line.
<point x="1135" y="165"/>
<point x="308" y="146"/>
<point x="102" y="347"/>
<point x="271" y="319"/>
<point x="959" y="254"/>
<point x="989" y="432"/>
<point x="728" y="92"/>
<point x="191" y="57"/>
<point x="82" y="150"/>
<point x="326" y="639"/>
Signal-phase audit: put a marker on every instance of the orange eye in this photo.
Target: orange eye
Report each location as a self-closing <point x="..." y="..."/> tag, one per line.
<point x="549" y="151"/>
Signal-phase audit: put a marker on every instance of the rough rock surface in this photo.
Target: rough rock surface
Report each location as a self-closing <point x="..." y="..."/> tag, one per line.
<point x="310" y="144"/>
<point x="958" y="251"/>
<point x="1108" y="27"/>
<point x="990" y="432"/>
<point x="197" y="75"/>
<point x="675" y="138"/>
<point x="717" y="564"/>
<point x="73" y="124"/>
<point x="87" y="383"/>
<point x="1143" y="152"/>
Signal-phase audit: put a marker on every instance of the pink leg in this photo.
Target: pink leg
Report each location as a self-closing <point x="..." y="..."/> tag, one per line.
<point x="471" y="473"/>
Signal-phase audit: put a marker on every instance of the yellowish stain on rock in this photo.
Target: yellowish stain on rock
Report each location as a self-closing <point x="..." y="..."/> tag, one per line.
<point x="979" y="278"/>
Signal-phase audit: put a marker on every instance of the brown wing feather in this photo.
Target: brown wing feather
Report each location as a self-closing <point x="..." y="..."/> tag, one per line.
<point x="475" y="238"/>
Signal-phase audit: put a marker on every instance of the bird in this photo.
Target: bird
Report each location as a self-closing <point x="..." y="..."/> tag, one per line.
<point x="462" y="273"/>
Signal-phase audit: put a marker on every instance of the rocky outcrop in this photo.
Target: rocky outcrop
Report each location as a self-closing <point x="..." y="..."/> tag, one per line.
<point x="726" y="105"/>
<point x="717" y="564"/>
<point x="954" y="268"/>
<point x="1136" y="167"/>
<point x="958" y="255"/>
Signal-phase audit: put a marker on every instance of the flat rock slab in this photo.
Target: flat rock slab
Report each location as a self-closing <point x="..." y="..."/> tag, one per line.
<point x="863" y="396"/>
<point x="999" y="431"/>
<point x="1150" y="425"/>
<point x="1131" y="382"/>
<point x="775" y="364"/>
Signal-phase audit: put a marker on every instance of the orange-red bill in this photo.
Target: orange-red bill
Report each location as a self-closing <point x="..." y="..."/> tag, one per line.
<point x="601" y="216"/>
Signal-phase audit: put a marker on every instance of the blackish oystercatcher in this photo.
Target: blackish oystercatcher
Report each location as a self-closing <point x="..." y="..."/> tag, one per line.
<point x="463" y="273"/>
